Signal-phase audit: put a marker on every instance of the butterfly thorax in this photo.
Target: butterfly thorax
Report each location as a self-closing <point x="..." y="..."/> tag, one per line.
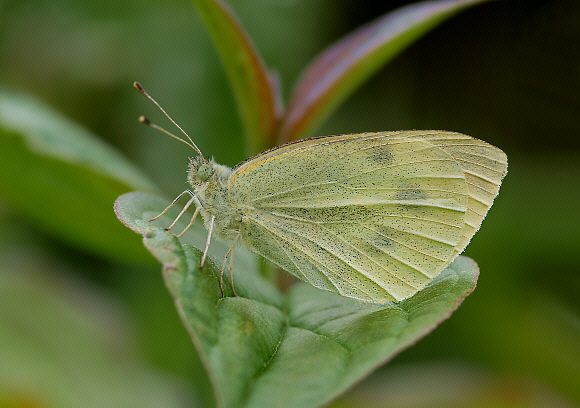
<point x="210" y="183"/>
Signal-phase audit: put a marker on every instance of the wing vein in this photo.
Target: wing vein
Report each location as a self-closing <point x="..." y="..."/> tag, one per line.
<point x="327" y="276"/>
<point x="371" y="278"/>
<point x="403" y="244"/>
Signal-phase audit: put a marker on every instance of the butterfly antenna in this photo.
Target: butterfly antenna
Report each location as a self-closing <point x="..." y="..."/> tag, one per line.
<point x="147" y="122"/>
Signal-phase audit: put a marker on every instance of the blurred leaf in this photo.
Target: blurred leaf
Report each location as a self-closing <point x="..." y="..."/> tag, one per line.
<point x="255" y="89"/>
<point x="450" y="384"/>
<point x="340" y="69"/>
<point x="65" y="344"/>
<point x="540" y="337"/>
<point x="554" y="359"/>
<point x="298" y="350"/>
<point x="64" y="178"/>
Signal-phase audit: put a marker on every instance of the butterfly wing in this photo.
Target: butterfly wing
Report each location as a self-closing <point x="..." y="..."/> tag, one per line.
<point x="484" y="167"/>
<point x="373" y="216"/>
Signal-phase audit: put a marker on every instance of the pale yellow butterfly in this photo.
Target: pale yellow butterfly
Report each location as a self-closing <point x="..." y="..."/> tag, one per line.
<point x="371" y="216"/>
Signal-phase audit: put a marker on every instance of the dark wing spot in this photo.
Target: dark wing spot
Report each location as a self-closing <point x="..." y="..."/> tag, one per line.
<point x="408" y="192"/>
<point x="381" y="155"/>
<point x="410" y="195"/>
<point x="382" y="242"/>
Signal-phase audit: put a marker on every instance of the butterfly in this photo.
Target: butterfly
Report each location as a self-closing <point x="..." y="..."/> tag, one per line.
<point x="371" y="216"/>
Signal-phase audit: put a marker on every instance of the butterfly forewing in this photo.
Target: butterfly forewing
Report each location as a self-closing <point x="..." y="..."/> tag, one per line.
<point x="374" y="216"/>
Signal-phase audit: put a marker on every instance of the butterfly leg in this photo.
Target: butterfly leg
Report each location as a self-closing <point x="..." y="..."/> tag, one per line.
<point x="190" y="222"/>
<point x="232" y="266"/>
<point x="205" y="251"/>
<point x="181" y="213"/>
<point x="229" y="254"/>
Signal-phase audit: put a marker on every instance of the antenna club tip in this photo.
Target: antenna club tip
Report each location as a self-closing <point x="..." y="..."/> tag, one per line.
<point x="146" y="121"/>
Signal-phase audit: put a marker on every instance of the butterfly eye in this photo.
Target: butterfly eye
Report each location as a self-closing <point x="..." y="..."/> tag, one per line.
<point x="204" y="171"/>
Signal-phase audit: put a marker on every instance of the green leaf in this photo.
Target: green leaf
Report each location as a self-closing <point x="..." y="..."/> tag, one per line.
<point x="301" y="349"/>
<point x="255" y="90"/>
<point x="64" y="178"/>
<point x="341" y="68"/>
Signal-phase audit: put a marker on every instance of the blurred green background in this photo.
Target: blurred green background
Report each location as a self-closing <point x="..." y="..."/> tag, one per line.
<point x="74" y="324"/>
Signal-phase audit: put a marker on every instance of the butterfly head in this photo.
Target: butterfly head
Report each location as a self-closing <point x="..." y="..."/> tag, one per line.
<point x="203" y="172"/>
<point x="199" y="172"/>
